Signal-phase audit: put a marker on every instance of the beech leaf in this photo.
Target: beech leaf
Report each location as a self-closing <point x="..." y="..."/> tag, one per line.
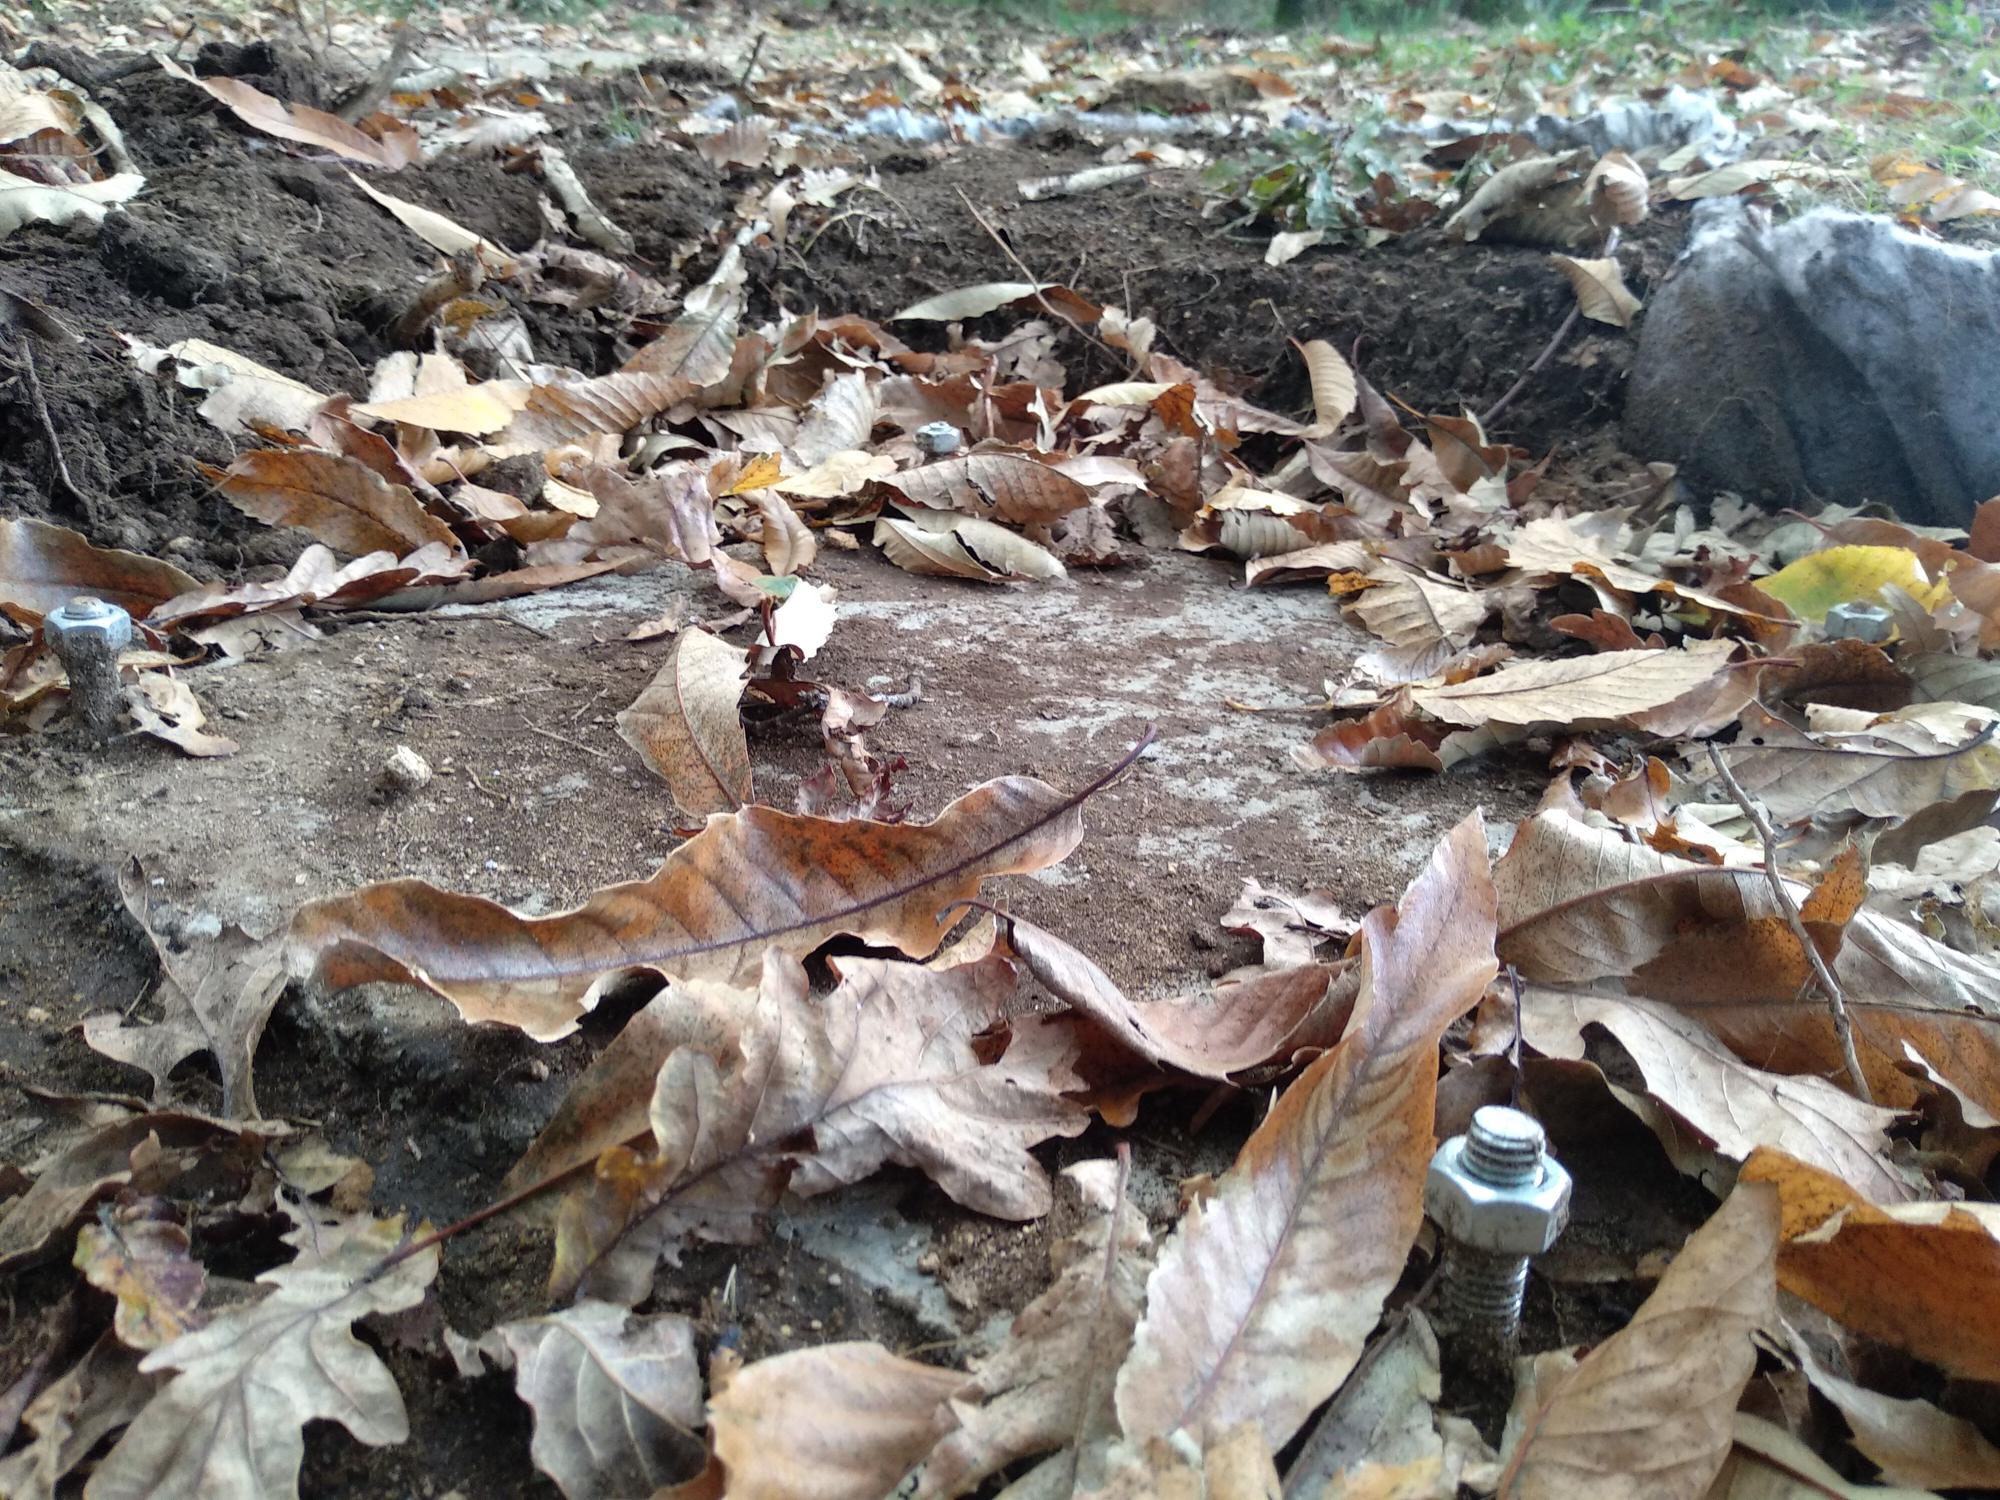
<point x="998" y="486"/>
<point x="1580" y="906"/>
<point x="1924" y="1277"/>
<point x="1648" y="1414"/>
<point x="440" y="232"/>
<point x="1883" y="766"/>
<point x="944" y="545"/>
<point x="1333" y="387"/>
<point x="1267" y="1291"/>
<point x="339" y="500"/>
<point x="1048" y="1387"/>
<point x="1911" y="1441"/>
<point x="687" y="728"/>
<point x="302" y="123"/>
<point x="43" y="566"/>
<point x="1733" y="1105"/>
<point x="969" y="302"/>
<point x="1580" y="690"/>
<point x="749" y="880"/>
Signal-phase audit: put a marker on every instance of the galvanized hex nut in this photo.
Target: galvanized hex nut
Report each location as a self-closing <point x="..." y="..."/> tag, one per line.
<point x="938" y="439"/>
<point x="1522" y="1220"/>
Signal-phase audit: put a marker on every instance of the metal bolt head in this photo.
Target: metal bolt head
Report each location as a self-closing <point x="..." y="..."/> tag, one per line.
<point x="938" y="439"/>
<point x="1505" y="1218"/>
<point x="1858" y="622"/>
<point x="84" y="617"/>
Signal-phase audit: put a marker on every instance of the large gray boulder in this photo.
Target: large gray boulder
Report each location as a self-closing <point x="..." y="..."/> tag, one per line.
<point x="1836" y="357"/>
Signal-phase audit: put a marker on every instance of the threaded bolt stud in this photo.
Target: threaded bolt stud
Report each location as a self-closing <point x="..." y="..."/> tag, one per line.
<point x="1499" y="1198"/>
<point x="86" y="635"/>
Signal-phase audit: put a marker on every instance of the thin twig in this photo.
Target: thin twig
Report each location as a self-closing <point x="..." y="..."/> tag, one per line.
<point x="49" y="429"/>
<point x="751" y="66"/>
<point x="1836" y="998"/>
<point x="1549" y="351"/>
<point x="562" y="739"/>
<point x="1047" y="306"/>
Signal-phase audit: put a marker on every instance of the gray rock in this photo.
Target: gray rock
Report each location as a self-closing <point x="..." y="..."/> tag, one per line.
<point x="1835" y="357"/>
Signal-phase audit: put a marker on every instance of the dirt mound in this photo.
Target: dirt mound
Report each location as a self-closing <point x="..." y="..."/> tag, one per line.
<point x="244" y="242"/>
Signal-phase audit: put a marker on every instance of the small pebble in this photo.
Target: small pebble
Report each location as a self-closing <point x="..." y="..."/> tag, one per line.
<point x="405" y="771"/>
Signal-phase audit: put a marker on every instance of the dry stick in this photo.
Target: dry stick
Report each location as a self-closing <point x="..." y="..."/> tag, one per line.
<point x="751" y="66"/>
<point x="49" y="429"/>
<point x="1549" y="351"/>
<point x="1836" y="998"/>
<point x="1048" y="306"/>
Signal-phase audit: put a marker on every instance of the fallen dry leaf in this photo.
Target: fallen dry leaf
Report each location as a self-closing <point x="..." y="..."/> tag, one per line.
<point x="137" y="1253"/>
<point x="749" y="879"/>
<point x="24" y="201"/>
<point x="616" y="1398"/>
<point x="1924" y="1277"/>
<point x="1768" y="1463"/>
<point x="840" y="1422"/>
<point x="146" y="1152"/>
<point x="997" y="486"/>
<point x="339" y="500"/>
<point x="1912" y="1442"/>
<point x="243" y="395"/>
<point x="166" y="708"/>
<point x="687" y="728"/>
<point x="1425" y="619"/>
<point x="1047" y="1389"/>
<point x="302" y="123"/>
<point x="1648" y="1413"/>
<point x="788" y="542"/>
<point x="1228" y="1034"/>
<point x="43" y="566"/>
<point x="1607" y="688"/>
<point x="1616" y="190"/>
<point x="805" y="620"/>
<point x="1733" y="1106"/>
<point x="230" y="1424"/>
<point x="440" y="232"/>
<point x="1235" y="1466"/>
<point x="970" y="301"/>
<point x="1268" y="1288"/>
<point x="944" y="545"/>
<point x="216" y="998"/>
<point x="1878" y="765"/>
<point x="812" y="1095"/>
<point x="102" y="1392"/>
<point x="1581" y="906"/>
<point x="1333" y="388"/>
<point x="1600" y="290"/>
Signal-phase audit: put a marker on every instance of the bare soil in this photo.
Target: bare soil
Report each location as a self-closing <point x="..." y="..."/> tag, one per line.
<point x="537" y="801"/>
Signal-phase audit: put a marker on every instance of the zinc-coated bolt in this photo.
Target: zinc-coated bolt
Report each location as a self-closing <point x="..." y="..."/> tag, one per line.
<point x="86" y="635"/>
<point x="1857" y="622"/>
<point x="1499" y="1198"/>
<point x="937" y="439"/>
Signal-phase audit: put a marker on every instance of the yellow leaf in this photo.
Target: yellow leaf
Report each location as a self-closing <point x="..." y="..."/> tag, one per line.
<point x="1842" y="575"/>
<point x="475" y="410"/>
<point x="761" y="472"/>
